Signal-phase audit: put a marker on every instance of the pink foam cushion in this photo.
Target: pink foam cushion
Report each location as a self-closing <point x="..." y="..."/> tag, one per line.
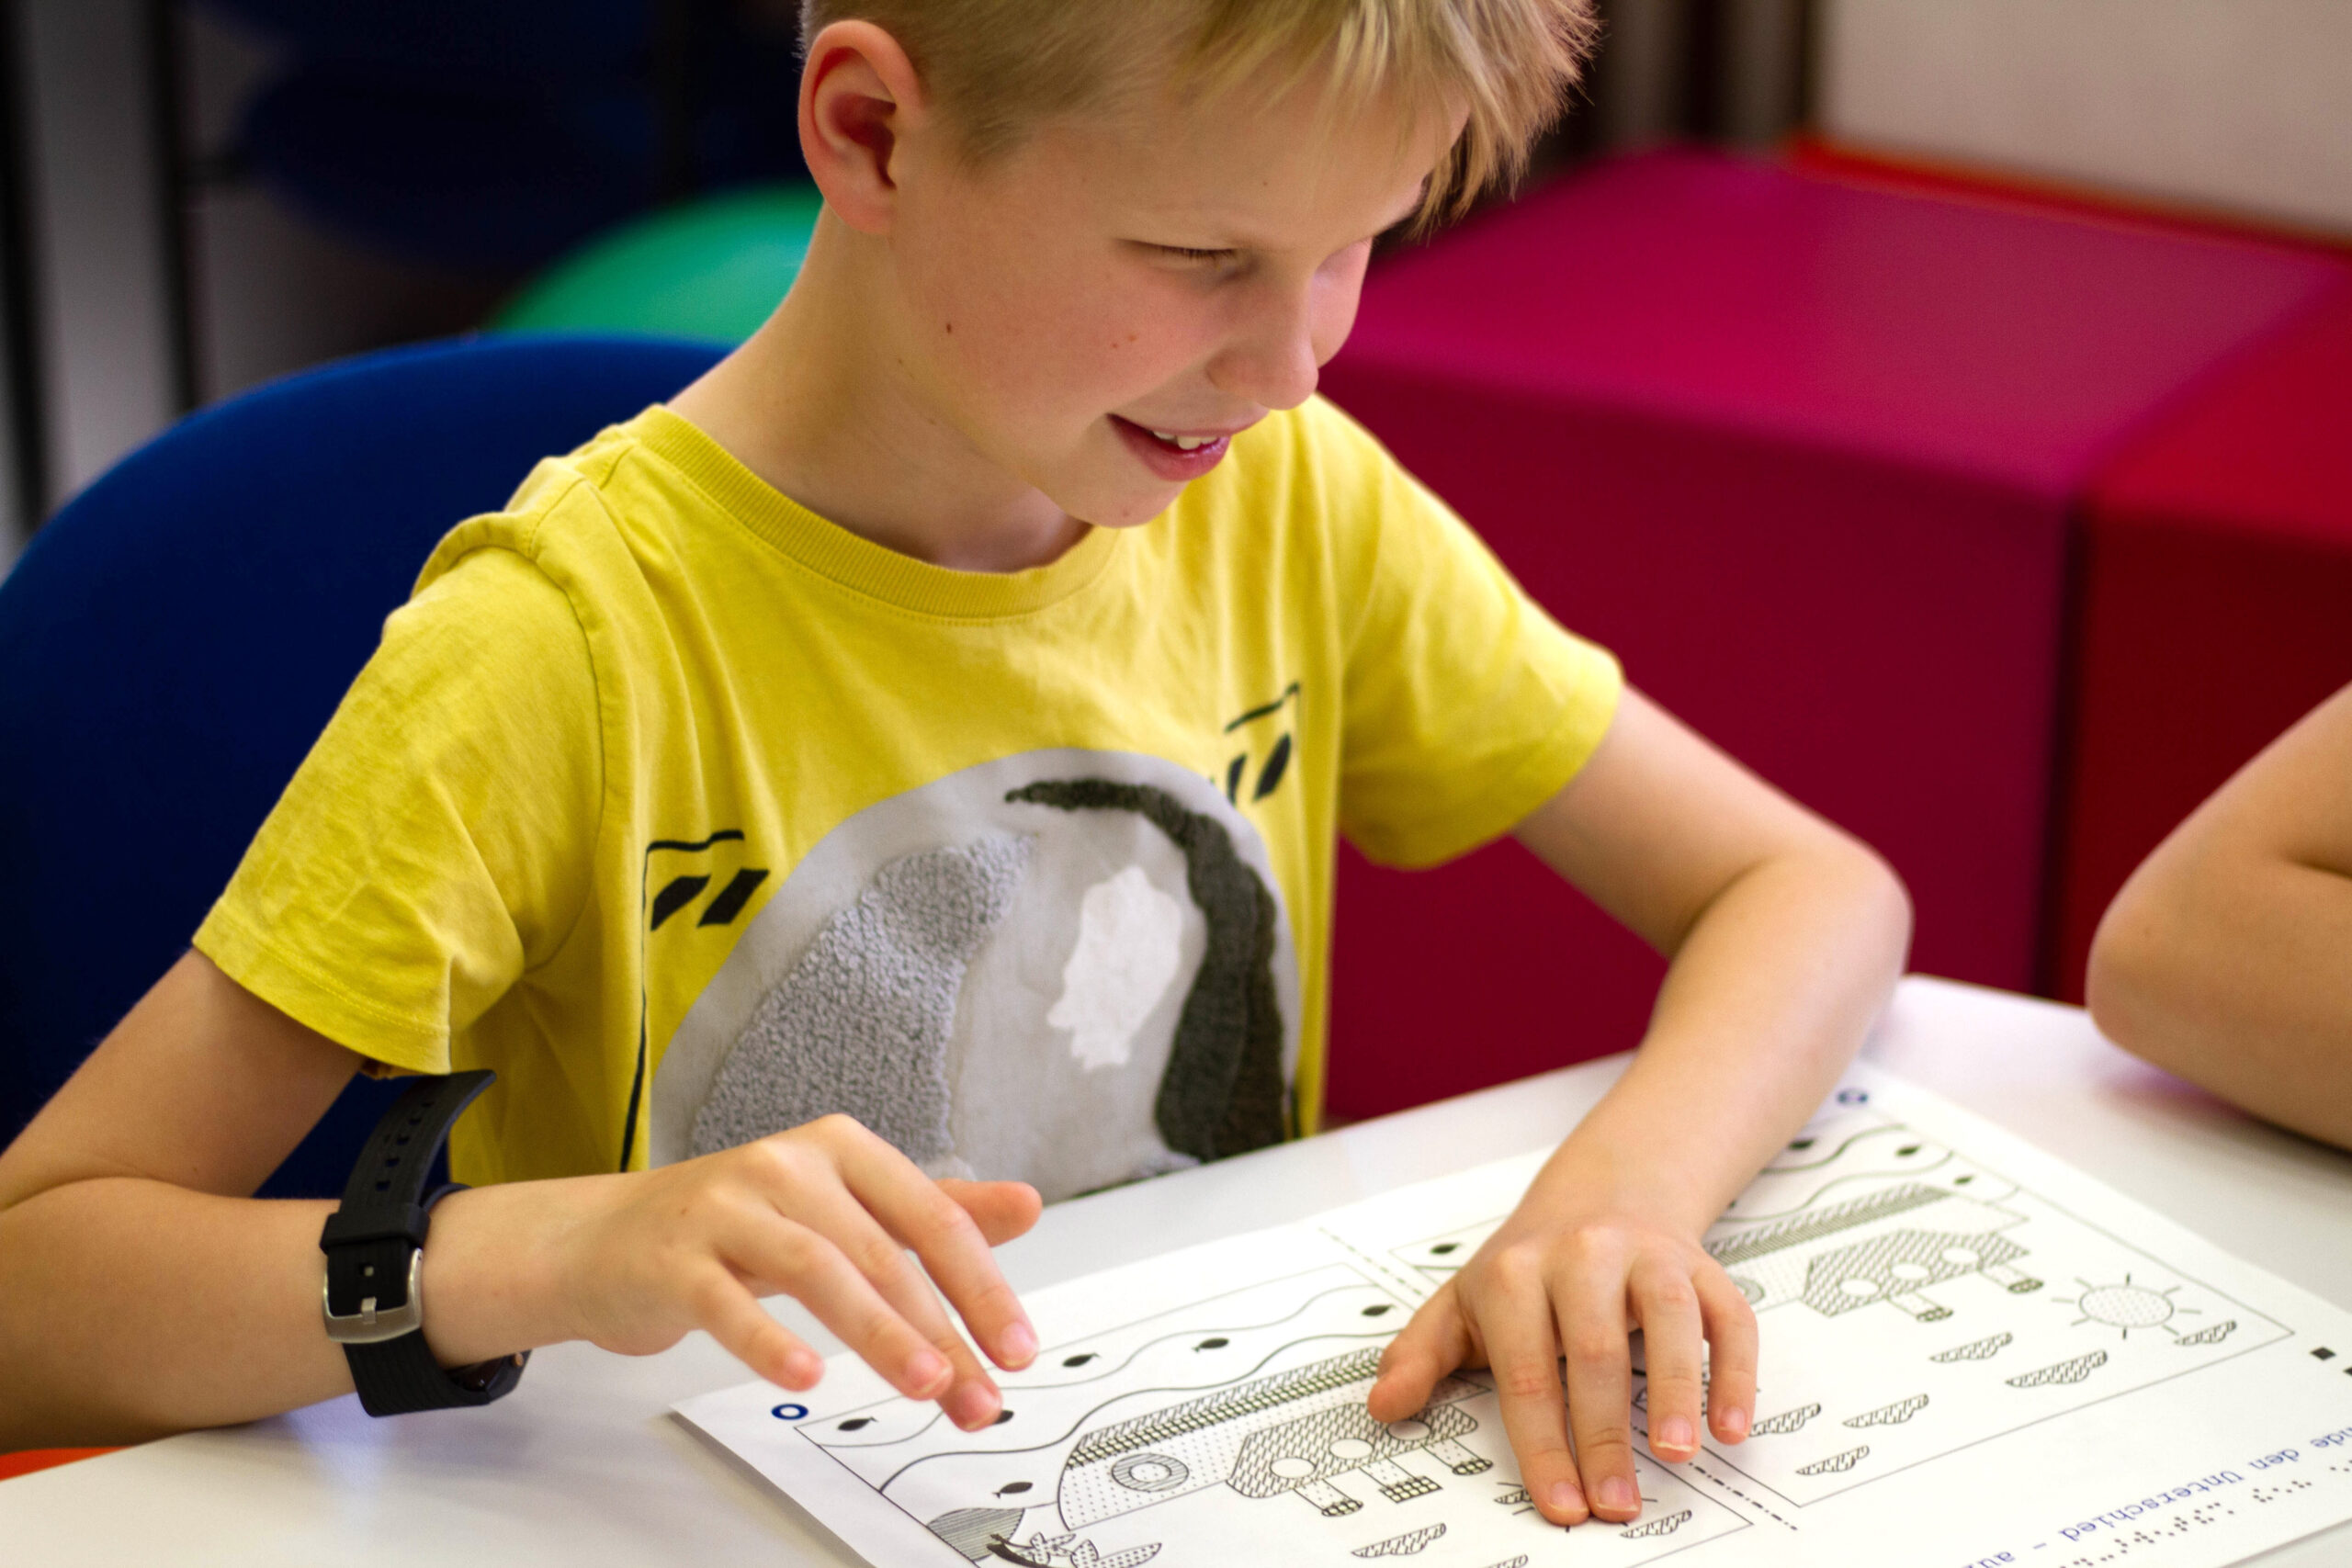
<point x="2216" y="603"/>
<point x="1806" y="456"/>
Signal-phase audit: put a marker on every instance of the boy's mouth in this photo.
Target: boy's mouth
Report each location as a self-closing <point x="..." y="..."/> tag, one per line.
<point x="1172" y="455"/>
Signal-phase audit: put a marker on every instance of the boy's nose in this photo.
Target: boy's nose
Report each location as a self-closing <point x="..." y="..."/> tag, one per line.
<point x="1278" y="359"/>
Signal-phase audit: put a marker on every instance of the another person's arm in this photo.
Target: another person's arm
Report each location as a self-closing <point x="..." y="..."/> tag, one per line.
<point x="143" y="1290"/>
<point x="1786" y="937"/>
<point x="2227" y="958"/>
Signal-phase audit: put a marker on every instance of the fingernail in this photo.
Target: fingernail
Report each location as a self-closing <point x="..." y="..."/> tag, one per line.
<point x="803" y="1369"/>
<point x="1674" y="1432"/>
<point x="1565" y="1497"/>
<point x="1019" y="1344"/>
<point x="972" y="1407"/>
<point x="1617" y="1493"/>
<point x="1734" y="1424"/>
<point x="926" y="1370"/>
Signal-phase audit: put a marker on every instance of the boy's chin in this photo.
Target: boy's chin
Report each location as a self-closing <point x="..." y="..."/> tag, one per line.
<point x="1131" y="511"/>
<point x="1124" y="502"/>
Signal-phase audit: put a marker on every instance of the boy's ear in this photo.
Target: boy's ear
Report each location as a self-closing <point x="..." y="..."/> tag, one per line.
<point x="860" y="98"/>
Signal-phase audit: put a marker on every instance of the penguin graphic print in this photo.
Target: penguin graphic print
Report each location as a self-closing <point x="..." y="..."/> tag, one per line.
<point x="1070" y="966"/>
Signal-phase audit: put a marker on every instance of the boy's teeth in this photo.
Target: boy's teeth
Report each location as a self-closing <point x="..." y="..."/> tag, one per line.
<point x="1183" y="443"/>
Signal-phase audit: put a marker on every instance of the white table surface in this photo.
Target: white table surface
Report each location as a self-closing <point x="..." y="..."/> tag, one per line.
<point x="584" y="1465"/>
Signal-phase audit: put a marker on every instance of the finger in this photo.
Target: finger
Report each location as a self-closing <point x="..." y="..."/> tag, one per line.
<point x="807" y="1266"/>
<point x="1667" y="1306"/>
<point x="970" y="1398"/>
<point x="1430" y="1345"/>
<point x="1730" y="1326"/>
<point x="1002" y="1209"/>
<point x="734" y="1318"/>
<point x="921" y="1215"/>
<point x="1600" y="1366"/>
<point x="1516" y="1322"/>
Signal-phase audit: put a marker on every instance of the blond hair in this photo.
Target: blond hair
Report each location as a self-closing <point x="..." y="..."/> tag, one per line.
<point x="998" y="67"/>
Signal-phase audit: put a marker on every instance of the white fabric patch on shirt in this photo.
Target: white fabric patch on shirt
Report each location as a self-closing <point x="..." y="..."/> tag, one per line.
<point x="1130" y="944"/>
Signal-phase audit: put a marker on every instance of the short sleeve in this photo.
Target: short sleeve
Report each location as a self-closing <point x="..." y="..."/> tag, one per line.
<point x="1467" y="707"/>
<point x="435" y="844"/>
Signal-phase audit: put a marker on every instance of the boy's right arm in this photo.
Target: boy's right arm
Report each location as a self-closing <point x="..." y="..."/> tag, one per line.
<point x="141" y="1291"/>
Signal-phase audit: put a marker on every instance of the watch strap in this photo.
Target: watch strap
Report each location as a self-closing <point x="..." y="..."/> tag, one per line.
<point x="373" y="1244"/>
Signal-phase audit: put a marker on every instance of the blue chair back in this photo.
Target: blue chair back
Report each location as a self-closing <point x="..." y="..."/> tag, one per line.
<point x="173" y="642"/>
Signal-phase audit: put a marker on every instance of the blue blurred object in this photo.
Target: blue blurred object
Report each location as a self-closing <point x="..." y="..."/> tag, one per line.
<point x="174" y="639"/>
<point x="491" y="135"/>
<point x="502" y="38"/>
<point x="469" y="181"/>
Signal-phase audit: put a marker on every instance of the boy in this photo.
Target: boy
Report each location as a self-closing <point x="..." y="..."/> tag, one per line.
<point x="941" y="714"/>
<point x="2222" y="959"/>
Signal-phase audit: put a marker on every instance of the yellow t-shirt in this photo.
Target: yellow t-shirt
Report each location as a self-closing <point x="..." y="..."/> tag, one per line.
<point x="696" y="817"/>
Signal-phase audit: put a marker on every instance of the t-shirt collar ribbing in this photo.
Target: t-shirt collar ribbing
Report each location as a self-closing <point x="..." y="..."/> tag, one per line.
<point x="835" y="553"/>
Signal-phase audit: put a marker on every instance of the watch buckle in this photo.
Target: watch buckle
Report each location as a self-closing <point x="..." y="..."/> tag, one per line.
<point x="369" y="1325"/>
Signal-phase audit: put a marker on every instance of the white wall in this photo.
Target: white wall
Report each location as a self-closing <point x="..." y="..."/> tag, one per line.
<point x="2238" y="105"/>
<point x="99" y="243"/>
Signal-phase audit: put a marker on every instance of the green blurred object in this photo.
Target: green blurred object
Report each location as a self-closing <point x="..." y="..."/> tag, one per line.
<point x="713" y="268"/>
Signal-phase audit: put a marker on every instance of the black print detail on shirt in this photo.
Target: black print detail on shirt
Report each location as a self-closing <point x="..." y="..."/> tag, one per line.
<point x="1277" y="756"/>
<point x="677" y="893"/>
<point x="1222" y="1091"/>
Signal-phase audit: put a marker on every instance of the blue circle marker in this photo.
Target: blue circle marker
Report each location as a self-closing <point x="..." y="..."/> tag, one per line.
<point x="790" y="1413"/>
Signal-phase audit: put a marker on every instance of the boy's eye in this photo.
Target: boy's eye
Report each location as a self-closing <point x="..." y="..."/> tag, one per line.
<point x="1192" y="253"/>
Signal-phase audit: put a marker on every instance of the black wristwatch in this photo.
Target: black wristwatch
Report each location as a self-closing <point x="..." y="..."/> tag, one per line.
<point x="375" y="1245"/>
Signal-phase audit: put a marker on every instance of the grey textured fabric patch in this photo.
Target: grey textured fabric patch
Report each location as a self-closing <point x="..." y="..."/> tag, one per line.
<point x="861" y="1024"/>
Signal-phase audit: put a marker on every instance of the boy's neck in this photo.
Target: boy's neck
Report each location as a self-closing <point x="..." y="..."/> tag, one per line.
<point x="820" y="404"/>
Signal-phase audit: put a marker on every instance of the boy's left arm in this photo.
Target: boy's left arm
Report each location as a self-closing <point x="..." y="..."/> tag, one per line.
<point x="1785" y="937"/>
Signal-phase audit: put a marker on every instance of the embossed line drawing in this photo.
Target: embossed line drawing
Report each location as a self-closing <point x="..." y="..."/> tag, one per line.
<point x="1890" y="1246"/>
<point x="1786" y="1422"/>
<point x="1168" y="1429"/>
<point x="1666" y="1524"/>
<point x="1297" y="1431"/>
<point x="1042" y="1550"/>
<point x="2072" y="1371"/>
<point x="1982" y="1349"/>
<point x="2126" y="1306"/>
<point x="1892" y="1414"/>
<point x="1406" y="1545"/>
<point x="1252" y="1433"/>
<point x="1835" y="1464"/>
<point x="1443" y="1255"/>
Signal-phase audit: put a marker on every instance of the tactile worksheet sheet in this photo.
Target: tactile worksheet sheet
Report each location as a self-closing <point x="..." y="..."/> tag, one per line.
<point x="1972" y="1355"/>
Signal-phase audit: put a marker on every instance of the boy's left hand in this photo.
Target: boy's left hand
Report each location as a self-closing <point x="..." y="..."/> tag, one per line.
<point x="1549" y="1284"/>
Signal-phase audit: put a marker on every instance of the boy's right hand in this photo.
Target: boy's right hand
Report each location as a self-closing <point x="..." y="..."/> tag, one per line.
<point x="826" y="1213"/>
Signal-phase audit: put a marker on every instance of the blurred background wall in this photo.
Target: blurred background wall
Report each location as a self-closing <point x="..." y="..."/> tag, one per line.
<point x="2229" y="105"/>
<point x="148" y="266"/>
